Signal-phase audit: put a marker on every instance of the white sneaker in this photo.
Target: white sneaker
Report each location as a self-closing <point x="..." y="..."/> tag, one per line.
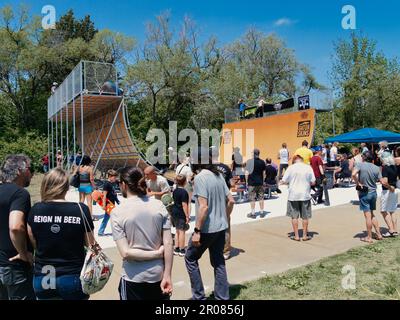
<point x="227" y="255"/>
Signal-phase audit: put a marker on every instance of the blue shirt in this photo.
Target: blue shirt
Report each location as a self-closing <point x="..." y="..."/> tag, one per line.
<point x="242" y="106"/>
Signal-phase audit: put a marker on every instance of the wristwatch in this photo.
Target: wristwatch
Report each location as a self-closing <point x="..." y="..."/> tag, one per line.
<point x="197" y="230"/>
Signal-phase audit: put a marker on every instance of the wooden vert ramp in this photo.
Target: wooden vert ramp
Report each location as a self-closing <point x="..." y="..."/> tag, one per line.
<point x="107" y="137"/>
<point x="267" y="134"/>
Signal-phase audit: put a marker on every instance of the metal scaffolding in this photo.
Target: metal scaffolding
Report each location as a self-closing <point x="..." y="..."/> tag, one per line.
<point x="99" y="122"/>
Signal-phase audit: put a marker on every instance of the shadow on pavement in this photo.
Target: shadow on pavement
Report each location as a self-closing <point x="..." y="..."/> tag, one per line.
<point x="312" y="234"/>
<point x="235" y="252"/>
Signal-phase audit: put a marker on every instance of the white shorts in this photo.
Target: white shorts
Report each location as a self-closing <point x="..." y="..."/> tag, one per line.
<point x="389" y="201"/>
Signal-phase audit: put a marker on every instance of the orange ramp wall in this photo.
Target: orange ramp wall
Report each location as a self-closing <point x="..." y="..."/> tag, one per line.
<point x="269" y="134"/>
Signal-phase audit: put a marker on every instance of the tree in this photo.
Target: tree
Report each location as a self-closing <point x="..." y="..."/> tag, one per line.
<point x="111" y="47"/>
<point x="20" y="74"/>
<point x="30" y="143"/>
<point x="366" y="83"/>
<point x="71" y="28"/>
<point x="170" y="72"/>
<point x="269" y="68"/>
<point x="31" y="59"/>
<point x="175" y="76"/>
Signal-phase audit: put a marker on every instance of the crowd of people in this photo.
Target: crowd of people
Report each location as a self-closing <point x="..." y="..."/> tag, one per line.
<point x="50" y="237"/>
<point x="309" y="172"/>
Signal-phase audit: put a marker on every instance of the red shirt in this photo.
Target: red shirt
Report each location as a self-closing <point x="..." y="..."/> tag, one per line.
<point x="316" y="161"/>
<point x="45" y="160"/>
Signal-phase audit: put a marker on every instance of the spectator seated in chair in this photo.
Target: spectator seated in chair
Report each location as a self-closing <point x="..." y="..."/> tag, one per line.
<point x="343" y="172"/>
<point x="271" y="182"/>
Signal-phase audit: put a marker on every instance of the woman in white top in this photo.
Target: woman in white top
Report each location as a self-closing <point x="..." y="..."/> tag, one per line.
<point x="284" y="158"/>
<point x="333" y="155"/>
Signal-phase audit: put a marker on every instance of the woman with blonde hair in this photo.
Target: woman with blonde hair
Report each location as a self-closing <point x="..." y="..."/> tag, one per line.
<point x="59" y="231"/>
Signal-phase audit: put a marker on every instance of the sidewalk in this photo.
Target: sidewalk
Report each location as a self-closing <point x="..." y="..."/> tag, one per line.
<point x="263" y="247"/>
<point x="275" y="207"/>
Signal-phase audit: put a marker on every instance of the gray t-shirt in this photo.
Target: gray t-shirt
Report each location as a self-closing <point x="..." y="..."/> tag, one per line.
<point x="141" y="221"/>
<point x="213" y="188"/>
<point x="159" y="185"/>
<point x="368" y="174"/>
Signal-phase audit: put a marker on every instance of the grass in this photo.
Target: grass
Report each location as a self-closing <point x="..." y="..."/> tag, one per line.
<point x="377" y="276"/>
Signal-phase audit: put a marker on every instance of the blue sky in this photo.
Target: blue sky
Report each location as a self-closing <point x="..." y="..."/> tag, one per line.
<point x="309" y="27"/>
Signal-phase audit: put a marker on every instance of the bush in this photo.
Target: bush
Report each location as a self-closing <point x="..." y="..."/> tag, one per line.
<point x="30" y="144"/>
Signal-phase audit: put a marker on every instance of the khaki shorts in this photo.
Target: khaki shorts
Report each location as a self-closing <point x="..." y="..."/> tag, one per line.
<point x="256" y="193"/>
<point x="299" y="209"/>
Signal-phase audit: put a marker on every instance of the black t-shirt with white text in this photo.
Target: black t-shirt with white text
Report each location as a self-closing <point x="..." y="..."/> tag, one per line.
<point x="12" y="198"/>
<point x="59" y="231"/>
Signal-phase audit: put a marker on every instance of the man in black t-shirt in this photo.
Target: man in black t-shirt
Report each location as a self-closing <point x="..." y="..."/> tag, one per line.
<point x="15" y="248"/>
<point x="343" y="171"/>
<point x="255" y="169"/>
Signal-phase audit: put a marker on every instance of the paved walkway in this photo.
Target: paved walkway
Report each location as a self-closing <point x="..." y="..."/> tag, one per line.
<point x="276" y="207"/>
<point x="263" y="247"/>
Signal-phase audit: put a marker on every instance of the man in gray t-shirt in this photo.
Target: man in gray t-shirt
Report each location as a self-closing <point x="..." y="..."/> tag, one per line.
<point x="366" y="175"/>
<point x="213" y="188"/>
<point x="214" y="204"/>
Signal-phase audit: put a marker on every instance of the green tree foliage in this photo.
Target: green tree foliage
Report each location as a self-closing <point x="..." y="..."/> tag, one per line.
<point x="71" y="28"/>
<point x="31" y="59"/>
<point x="111" y="47"/>
<point x="268" y="68"/>
<point x="168" y="79"/>
<point x="367" y="84"/>
<point x="29" y="143"/>
<point x="175" y="76"/>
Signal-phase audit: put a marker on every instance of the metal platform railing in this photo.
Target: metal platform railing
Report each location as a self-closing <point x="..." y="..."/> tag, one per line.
<point x="88" y="77"/>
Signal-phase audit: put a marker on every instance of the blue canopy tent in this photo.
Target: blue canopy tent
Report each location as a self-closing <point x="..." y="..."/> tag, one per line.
<point x="368" y="135"/>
